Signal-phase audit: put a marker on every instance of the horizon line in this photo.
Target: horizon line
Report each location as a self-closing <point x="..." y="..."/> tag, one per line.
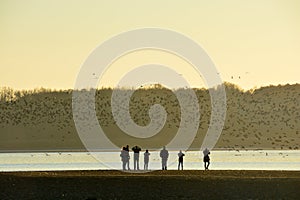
<point x="153" y="86"/>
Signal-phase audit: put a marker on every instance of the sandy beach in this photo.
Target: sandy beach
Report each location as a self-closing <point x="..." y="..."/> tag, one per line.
<point x="189" y="184"/>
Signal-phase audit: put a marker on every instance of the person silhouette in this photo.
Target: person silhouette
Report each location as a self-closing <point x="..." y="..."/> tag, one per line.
<point x="136" y="157"/>
<point x="128" y="156"/>
<point x="180" y="160"/>
<point x="123" y="158"/>
<point x="146" y="159"/>
<point x="206" y="158"/>
<point x="164" y="154"/>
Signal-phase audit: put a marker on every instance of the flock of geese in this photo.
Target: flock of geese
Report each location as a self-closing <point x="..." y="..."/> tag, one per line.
<point x="265" y="118"/>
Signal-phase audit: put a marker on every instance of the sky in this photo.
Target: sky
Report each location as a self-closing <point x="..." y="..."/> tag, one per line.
<point x="44" y="43"/>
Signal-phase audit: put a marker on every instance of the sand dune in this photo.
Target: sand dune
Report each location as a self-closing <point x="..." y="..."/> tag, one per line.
<point x="264" y="118"/>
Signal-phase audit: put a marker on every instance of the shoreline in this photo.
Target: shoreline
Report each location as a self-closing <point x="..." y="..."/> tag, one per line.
<point x="222" y="174"/>
<point x="114" y="150"/>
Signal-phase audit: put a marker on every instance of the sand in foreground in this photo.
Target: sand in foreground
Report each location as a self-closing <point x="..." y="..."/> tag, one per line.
<point x="189" y="184"/>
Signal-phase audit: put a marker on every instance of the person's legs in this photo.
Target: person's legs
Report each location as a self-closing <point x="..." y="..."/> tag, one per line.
<point x="134" y="164"/>
<point x="207" y="164"/>
<point x="181" y="165"/>
<point x="124" y="165"/>
<point x="138" y="162"/>
<point x="128" y="165"/>
<point x="165" y="165"/>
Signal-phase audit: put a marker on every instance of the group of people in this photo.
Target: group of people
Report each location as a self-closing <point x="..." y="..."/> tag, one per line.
<point x="164" y="155"/>
<point x="125" y="157"/>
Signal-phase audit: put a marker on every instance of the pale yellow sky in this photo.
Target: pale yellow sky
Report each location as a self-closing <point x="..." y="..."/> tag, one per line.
<point x="43" y="43"/>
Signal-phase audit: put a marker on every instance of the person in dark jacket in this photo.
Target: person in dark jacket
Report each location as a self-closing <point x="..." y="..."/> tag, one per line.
<point x="136" y="157"/>
<point x="146" y="159"/>
<point x="124" y="157"/>
<point x="206" y="158"/>
<point x="180" y="160"/>
<point x="128" y="156"/>
<point x="164" y="154"/>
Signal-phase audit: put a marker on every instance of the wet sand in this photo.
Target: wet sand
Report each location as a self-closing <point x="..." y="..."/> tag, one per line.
<point x="188" y="184"/>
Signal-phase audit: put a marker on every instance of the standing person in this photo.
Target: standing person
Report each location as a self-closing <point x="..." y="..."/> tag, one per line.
<point x="180" y="160"/>
<point x="136" y="157"/>
<point x="124" y="157"/>
<point x="128" y="156"/>
<point x="146" y="159"/>
<point x="206" y="158"/>
<point x="164" y="154"/>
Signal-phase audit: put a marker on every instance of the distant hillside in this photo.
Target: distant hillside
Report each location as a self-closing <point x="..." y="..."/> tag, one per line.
<point x="264" y="118"/>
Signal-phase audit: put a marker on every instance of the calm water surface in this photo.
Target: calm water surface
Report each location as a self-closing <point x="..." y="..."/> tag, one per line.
<point x="220" y="160"/>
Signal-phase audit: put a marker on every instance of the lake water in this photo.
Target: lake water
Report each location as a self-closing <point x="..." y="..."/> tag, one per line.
<point x="220" y="160"/>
